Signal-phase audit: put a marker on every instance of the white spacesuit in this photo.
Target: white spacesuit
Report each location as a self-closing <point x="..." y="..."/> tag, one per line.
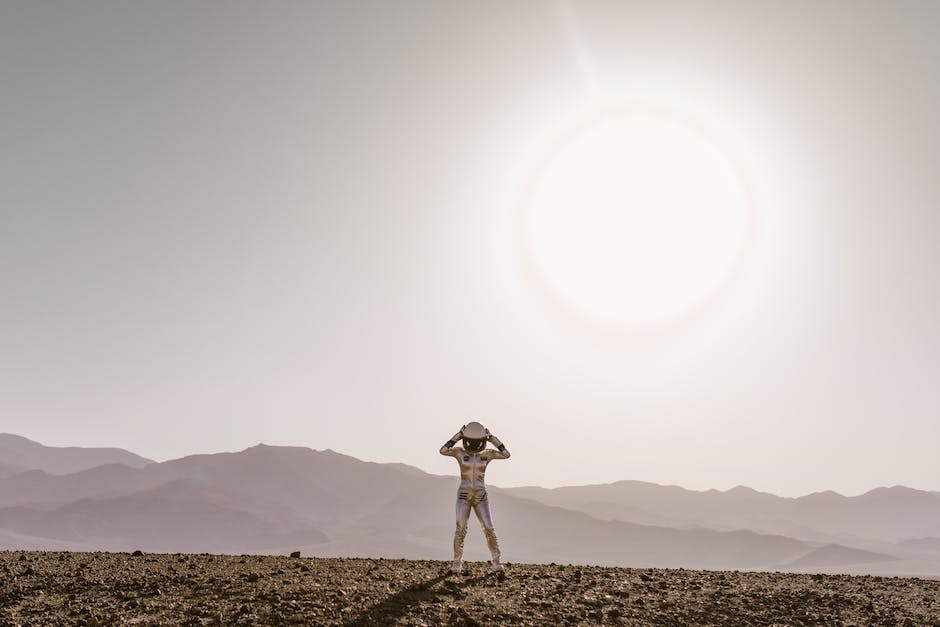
<point x="473" y="458"/>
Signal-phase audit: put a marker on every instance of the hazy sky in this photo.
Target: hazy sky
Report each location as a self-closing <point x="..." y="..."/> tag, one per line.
<point x="224" y="223"/>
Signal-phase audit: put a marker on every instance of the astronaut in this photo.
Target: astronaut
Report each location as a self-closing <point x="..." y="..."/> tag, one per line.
<point x="473" y="458"/>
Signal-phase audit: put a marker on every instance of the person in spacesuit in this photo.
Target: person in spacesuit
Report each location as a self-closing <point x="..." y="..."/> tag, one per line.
<point x="472" y="458"/>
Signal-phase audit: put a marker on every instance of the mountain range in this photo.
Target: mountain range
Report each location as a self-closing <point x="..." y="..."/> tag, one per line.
<point x="880" y="515"/>
<point x="269" y="499"/>
<point x="18" y="454"/>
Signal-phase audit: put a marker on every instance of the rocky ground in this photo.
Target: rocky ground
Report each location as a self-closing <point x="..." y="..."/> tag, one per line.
<point x="120" y="588"/>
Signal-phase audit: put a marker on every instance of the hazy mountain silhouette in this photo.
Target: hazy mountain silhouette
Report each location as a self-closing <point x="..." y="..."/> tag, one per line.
<point x="18" y="454"/>
<point x="921" y="544"/>
<point x="257" y="499"/>
<point x="881" y="515"/>
<point x="834" y="555"/>
<point x="12" y="540"/>
<point x="280" y="497"/>
<point x="177" y="516"/>
<point x="273" y="499"/>
<point x="9" y="469"/>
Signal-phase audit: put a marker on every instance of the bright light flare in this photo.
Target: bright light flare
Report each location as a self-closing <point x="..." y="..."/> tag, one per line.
<point x="636" y="219"/>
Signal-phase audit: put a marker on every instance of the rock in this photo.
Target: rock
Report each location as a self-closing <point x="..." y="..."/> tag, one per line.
<point x="295" y="554"/>
<point x="137" y="553"/>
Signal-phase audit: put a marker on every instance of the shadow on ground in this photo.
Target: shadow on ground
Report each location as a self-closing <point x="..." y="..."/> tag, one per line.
<point x="443" y="589"/>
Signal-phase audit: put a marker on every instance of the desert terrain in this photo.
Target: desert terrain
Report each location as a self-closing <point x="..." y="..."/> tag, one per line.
<point x="43" y="588"/>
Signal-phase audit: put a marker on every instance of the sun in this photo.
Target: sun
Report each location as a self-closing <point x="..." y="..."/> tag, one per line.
<point x="635" y="218"/>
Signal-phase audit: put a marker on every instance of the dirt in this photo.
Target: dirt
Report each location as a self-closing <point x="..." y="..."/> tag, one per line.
<point x="43" y="588"/>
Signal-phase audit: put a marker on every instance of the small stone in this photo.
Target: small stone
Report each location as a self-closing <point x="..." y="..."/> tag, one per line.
<point x="137" y="553"/>
<point x="295" y="554"/>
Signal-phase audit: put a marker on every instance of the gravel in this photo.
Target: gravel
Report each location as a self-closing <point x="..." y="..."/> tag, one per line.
<point x="43" y="588"/>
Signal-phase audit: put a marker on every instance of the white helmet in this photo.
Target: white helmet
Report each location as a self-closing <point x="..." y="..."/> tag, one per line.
<point x="474" y="437"/>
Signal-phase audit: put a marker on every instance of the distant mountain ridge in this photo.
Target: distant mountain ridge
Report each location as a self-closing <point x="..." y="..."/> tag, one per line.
<point x="834" y="555"/>
<point x="277" y="499"/>
<point x="881" y="515"/>
<point x="19" y="454"/>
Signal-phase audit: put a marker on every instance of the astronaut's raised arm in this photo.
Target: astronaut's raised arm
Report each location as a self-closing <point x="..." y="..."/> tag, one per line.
<point x="501" y="451"/>
<point x="448" y="448"/>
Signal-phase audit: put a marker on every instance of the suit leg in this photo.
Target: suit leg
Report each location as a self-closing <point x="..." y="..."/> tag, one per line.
<point x="463" y="514"/>
<point x="482" y="510"/>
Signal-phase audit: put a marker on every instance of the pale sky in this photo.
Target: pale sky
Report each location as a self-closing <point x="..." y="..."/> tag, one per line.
<point x="224" y="223"/>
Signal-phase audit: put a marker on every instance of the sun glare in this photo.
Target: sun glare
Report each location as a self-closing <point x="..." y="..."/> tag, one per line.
<point x="635" y="219"/>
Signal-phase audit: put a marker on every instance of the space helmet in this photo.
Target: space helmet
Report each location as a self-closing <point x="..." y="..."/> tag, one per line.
<point x="474" y="437"/>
